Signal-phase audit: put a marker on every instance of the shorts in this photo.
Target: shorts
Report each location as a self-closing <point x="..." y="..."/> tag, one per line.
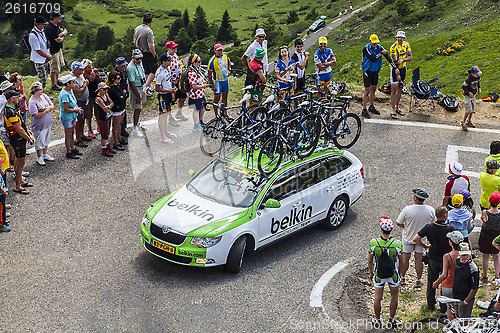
<point x="149" y="63"/>
<point x="91" y="108"/>
<point x="42" y="70"/>
<point x="180" y="94"/>
<point x="68" y="123"/>
<point x="4" y="136"/>
<point x="198" y="103"/>
<point x="464" y="311"/>
<point x="42" y="138"/>
<point x="19" y="147"/>
<point x="85" y="106"/>
<point x="221" y="87"/>
<point x="301" y="83"/>
<point x="323" y="80"/>
<point x="393" y="281"/>
<point x="409" y="248"/>
<point x="470" y="104"/>
<point x="118" y="113"/>
<point x="133" y="98"/>
<point x="104" y="126"/>
<point x="402" y="73"/>
<point x="370" y="79"/>
<point x="57" y="62"/>
<point x="164" y="102"/>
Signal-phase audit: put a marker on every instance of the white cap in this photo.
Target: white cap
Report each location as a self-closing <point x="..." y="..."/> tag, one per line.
<point x="401" y="34"/>
<point x="260" y="31"/>
<point x="456" y="168"/>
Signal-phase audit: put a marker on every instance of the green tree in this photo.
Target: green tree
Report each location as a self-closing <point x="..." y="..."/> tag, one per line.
<point x="105" y="37"/>
<point x="312" y="15"/>
<point x="200" y="23"/>
<point x="292" y="17"/>
<point x="272" y="33"/>
<point x="86" y="44"/>
<point x="174" y="28"/>
<point x="185" y="19"/>
<point x="226" y="32"/>
<point x="403" y="7"/>
<point x="184" y="41"/>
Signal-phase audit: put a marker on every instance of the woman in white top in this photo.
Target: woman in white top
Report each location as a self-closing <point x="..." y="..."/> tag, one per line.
<point x="40" y="107"/>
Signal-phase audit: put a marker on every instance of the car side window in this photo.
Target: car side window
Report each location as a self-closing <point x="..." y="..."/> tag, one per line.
<point x="336" y="164"/>
<point x="311" y="173"/>
<point x="284" y="186"/>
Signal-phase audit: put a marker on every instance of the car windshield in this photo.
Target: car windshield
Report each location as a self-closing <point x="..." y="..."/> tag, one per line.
<point x="227" y="184"/>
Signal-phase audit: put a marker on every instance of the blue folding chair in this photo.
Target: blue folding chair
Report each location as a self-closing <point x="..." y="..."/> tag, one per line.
<point x="422" y="95"/>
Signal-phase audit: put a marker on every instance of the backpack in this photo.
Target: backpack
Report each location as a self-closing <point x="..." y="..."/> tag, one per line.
<point x="184" y="85"/>
<point x="386" y="88"/>
<point x="450" y="103"/>
<point x="26" y="40"/>
<point x="385" y="266"/>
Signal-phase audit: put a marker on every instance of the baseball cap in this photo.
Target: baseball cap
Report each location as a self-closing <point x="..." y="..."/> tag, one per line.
<point x="260" y="52"/>
<point x="420" y="193"/>
<point x="464" y="249"/>
<point x="164" y="57"/>
<point x="66" y="78"/>
<point x="102" y="85"/>
<point x="40" y="20"/>
<point x="136" y="53"/>
<point x="55" y="14"/>
<point x="374" y="39"/>
<point x="401" y="34"/>
<point x="475" y="70"/>
<point x="456" y="168"/>
<point x="120" y="61"/>
<point x="218" y="46"/>
<point x="492" y="164"/>
<point x="457" y="200"/>
<point x="77" y="64"/>
<point x="260" y="32"/>
<point x="465" y="193"/>
<point x="171" y="44"/>
<point x="455" y="236"/>
<point x="11" y="93"/>
<point x="322" y="40"/>
<point x="5" y="85"/>
<point x="386" y="223"/>
<point x="494" y="198"/>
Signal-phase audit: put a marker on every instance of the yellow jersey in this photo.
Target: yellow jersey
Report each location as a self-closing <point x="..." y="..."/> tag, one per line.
<point x="401" y="52"/>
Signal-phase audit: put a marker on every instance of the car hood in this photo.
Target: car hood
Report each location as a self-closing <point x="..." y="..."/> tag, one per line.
<point x="186" y="211"/>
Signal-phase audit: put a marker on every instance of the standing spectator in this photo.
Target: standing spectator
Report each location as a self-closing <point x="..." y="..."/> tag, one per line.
<point x="324" y="59"/>
<point x="436" y="233"/>
<point x="386" y="245"/>
<point x="494" y="154"/>
<point x="197" y="92"/>
<point x="489" y="231"/>
<point x="55" y="35"/>
<point x="18" y="136"/>
<point x="104" y="105"/>
<point x="260" y="42"/>
<point x="456" y="182"/>
<point x="412" y="219"/>
<point x="116" y="93"/>
<point x="92" y="76"/>
<point x="40" y="55"/>
<point x="3" y="195"/>
<point x="4" y="135"/>
<point x="371" y="65"/>
<point x="301" y="59"/>
<point x="458" y="217"/>
<point x="176" y="67"/>
<point x="471" y="87"/>
<point x="165" y="97"/>
<point x="490" y="182"/>
<point x="144" y="40"/>
<point x="81" y="91"/>
<point x="449" y="262"/>
<point x="284" y="67"/>
<point x="219" y="69"/>
<point x="17" y="83"/>
<point x="401" y="53"/>
<point x="136" y="81"/>
<point x="468" y="205"/>
<point x="40" y="107"/>
<point x="121" y="67"/>
<point x="466" y="281"/>
<point x="256" y="75"/>
<point x="68" y="111"/>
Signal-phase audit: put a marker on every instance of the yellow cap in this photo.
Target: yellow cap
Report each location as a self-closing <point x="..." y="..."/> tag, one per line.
<point x="374" y="39"/>
<point x="457" y="200"/>
<point x="322" y="40"/>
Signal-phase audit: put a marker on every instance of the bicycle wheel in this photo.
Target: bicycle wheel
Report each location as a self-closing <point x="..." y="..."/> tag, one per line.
<point x="307" y="140"/>
<point x="211" y="136"/>
<point x="429" y="325"/>
<point x="346" y="131"/>
<point x="270" y="156"/>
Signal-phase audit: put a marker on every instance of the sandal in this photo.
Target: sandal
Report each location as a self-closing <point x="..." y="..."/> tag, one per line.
<point x="394" y="116"/>
<point x="26" y="184"/>
<point x="400" y="112"/>
<point x="21" y="190"/>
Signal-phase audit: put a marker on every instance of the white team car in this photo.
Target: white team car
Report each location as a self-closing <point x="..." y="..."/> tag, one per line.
<point x="228" y="208"/>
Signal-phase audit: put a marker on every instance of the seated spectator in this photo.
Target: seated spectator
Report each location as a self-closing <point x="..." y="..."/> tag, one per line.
<point x="17" y="83"/>
<point x="494" y="154"/>
<point x="489" y="231"/>
<point x="490" y="182"/>
<point x="104" y="105"/>
<point x="69" y="110"/>
<point x="40" y="107"/>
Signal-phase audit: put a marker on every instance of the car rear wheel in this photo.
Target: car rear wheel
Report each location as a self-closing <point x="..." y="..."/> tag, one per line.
<point x="336" y="214"/>
<point x="235" y="256"/>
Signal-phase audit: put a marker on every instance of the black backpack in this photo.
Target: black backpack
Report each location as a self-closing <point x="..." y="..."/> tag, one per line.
<point x="26" y="40"/>
<point x="184" y="85"/>
<point x="450" y="103"/>
<point x="385" y="266"/>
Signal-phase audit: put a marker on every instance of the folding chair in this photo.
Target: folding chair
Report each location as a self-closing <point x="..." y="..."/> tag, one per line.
<point x="422" y="96"/>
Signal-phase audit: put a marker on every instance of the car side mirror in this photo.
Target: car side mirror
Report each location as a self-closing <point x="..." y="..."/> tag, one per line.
<point x="272" y="203"/>
<point x="191" y="173"/>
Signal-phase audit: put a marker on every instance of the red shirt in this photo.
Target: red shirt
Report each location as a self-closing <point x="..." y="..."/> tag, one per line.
<point x="455" y="184"/>
<point x="195" y="77"/>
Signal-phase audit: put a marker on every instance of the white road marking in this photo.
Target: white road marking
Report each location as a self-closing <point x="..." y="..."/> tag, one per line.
<point x="452" y="156"/>
<point x="429" y="125"/>
<point x="315" y="300"/>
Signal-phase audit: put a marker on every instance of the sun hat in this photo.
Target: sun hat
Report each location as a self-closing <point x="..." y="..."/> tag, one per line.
<point x="260" y="52"/>
<point x="475" y="70"/>
<point x="457" y="200"/>
<point x="260" y="32"/>
<point x="86" y="62"/>
<point x="455" y="236"/>
<point x="456" y="168"/>
<point x="464" y="249"/>
<point x="494" y="198"/>
<point x="322" y="40"/>
<point x="120" y="61"/>
<point x="374" y="39"/>
<point x="420" y="193"/>
<point x="102" y="85"/>
<point x="401" y="34"/>
<point x="66" y="78"/>
<point x="218" y="46"/>
<point x="5" y="85"/>
<point x="171" y="44"/>
<point x="11" y="93"/>
<point x="136" y="53"/>
<point x="77" y="64"/>
<point x="386" y="223"/>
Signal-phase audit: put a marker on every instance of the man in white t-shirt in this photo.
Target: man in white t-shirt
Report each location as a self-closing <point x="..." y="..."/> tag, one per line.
<point x="40" y="54"/>
<point x="412" y="219"/>
<point x="260" y="41"/>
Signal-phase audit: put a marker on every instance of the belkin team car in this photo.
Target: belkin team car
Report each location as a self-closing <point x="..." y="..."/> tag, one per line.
<point x="228" y="208"/>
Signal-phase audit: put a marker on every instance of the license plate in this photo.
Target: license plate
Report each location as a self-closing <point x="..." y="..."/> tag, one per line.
<point x="162" y="246"/>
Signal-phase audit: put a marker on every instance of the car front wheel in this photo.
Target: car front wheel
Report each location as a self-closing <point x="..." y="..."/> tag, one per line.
<point x="235" y="256"/>
<point x="336" y="214"/>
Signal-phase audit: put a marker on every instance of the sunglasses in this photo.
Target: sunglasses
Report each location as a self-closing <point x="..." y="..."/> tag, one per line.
<point x="261" y="36"/>
<point x="322" y="44"/>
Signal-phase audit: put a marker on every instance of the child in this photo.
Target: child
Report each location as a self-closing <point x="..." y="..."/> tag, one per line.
<point x="469" y="205"/>
<point x="458" y="217"/>
<point x="471" y="87"/>
<point x="3" y="195"/>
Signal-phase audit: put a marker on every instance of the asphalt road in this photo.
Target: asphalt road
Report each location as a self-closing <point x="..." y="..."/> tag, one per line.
<point x="73" y="260"/>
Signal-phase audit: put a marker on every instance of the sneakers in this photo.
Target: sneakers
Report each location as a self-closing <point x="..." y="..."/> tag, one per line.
<point x="24" y="173"/>
<point x="464" y="126"/>
<point x="8" y="206"/>
<point x="76" y="152"/>
<point x="471" y="124"/>
<point x="365" y="114"/>
<point x="91" y="134"/>
<point x="419" y="284"/>
<point x="393" y="323"/>
<point x="142" y="128"/>
<point x="180" y="117"/>
<point x="7" y="214"/>
<point x="202" y="123"/>
<point x="118" y="147"/>
<point x="47" y="157"/>
<point x="373" y="110"/>
<point x="86" y="138"/>
<point x="376" y="323"/>
<point x="40" y="160"/>
<point x="123" y="142"/>
<point x="111" y="150"/>
<point x="106" y="152"/>
<point x="137" y="133"/>
<point x="4" y="228"/>
<point x="72" y="156"/>
<point x="173" y="122"/>
<point x="6" y="222"/>
<point x="197" y="128"/>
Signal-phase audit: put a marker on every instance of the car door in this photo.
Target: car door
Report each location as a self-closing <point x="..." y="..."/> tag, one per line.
<point x="275" y="223"/>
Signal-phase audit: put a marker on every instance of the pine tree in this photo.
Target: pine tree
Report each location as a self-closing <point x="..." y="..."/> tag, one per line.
<point x="185" y="19"/>
<point x="184" y="41"/>
<point x="106" y="37"/>
<point x="200" y="23"/>
<point x="226" y="31"/>
<point x="174" y="28"/>
<point x="292" y="17"/>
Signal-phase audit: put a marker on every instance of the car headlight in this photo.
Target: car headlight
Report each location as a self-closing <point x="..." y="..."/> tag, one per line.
<point x="206" y="241"/>
<point x="145" y="220"/>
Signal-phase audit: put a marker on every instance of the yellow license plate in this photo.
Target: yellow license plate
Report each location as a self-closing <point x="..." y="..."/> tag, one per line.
<point x="162" y="246"/>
